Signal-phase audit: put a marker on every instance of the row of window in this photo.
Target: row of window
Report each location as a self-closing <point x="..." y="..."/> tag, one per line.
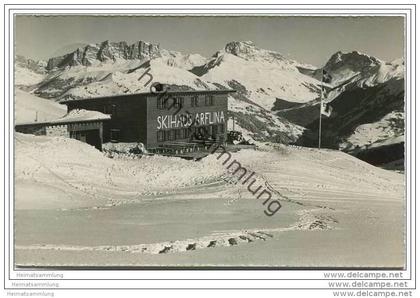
<point x="168" y="102"/>
<point x="110" y="110"/>
<point x="164" y="103"/>
<point x="202" y="132"/>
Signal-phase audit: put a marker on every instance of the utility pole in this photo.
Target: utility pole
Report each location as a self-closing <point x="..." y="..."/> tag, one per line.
<point x="233" y="120"/>
<point x="327" y="78"/>
<point x="320" y="114"/>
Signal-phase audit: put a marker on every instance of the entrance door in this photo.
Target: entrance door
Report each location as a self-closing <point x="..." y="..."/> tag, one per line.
<point x="91" y="137"/>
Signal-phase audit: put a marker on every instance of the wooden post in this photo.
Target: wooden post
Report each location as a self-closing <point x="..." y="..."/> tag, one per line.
<point x="233" y="119"/>
<point x="320" y="112"/>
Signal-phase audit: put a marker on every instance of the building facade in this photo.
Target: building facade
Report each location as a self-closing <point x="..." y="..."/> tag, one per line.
<point x="85" y="126"/>
<point x="161" y="118"/>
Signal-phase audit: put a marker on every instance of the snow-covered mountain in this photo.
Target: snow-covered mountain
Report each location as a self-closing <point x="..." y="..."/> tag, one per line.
<point x="98" y="54"/>
<point x="357" y="70"/>
<point x="277" y="98"/>
<point x="93" y="54"/>
<point x="349" y="71"/>
<point x="367" y="69"/>
<point x="260" y="75"/>
<point x="113" y="68"/>
<point x="264" y="74"/>
<point x="364" y="119"/>
<point x="367" y="100"/>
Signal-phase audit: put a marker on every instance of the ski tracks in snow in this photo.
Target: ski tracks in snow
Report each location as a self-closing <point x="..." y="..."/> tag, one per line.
<point x="308" y="220"/>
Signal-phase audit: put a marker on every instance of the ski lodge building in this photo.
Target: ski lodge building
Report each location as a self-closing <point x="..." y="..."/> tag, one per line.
<point x="161" y="119"/>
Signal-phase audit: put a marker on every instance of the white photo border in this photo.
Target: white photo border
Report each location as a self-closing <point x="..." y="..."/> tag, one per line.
<point x="198" y="278"/>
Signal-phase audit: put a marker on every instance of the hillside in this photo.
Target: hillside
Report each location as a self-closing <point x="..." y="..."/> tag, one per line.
<point x="367" y="100"/>
<point x="28" y="107"/>
<point x="359" y="116"/>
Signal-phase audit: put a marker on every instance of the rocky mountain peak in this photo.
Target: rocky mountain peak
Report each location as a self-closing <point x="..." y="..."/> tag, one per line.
<point x="249" y="51"/>
<point x="353" y="60"/>
<point x="239" y="48"/>
<point x="105" y="51"/>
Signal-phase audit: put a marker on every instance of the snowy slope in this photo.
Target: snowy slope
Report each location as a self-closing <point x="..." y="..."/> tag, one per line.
<point x="180" y="60"/>
<point x="264" y="74"/>
<point x="27" y="106"/>
<point x="28" y="72"/>
<point x="259" y="125"/>
<point x="27" y="77"/>
<point x="85" y="174"/>
<point x="386" y="131"/>
<point x="70" y="200"/>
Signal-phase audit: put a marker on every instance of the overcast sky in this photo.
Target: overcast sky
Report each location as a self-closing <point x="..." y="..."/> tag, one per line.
<point x="307" y="39"/>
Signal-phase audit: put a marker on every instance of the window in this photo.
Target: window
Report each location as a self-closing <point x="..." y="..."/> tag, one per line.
<point x="209" y="100"/>
<point x="204" y="131"/>
<point x="187" y="132"/>
<point x="160" y="135"/>
<point x="114" y="110"/>
<point x="161" y="102"/>
<point x="178" y="102"/>
<point x="168" y="102"/>
<point x="169" y="135"/>
<point x="110" y="109"/>
<point x="221" y="128"/>
<point x="179" y="134"/>
<point x="194" y="101"/>
<point x="214" y="131"/>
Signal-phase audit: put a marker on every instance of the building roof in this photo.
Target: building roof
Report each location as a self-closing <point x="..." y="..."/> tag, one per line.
<point x="73" y="117"/>
<point x="144" y="94"/>
<point x="82" y="115"/>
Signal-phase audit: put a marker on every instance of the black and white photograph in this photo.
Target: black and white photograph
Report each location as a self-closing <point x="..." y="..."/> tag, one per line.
<point x="209" y="141"/>
<point x="193" y="150"/>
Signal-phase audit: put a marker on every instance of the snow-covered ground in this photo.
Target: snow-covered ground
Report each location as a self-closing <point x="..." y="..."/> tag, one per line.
<point x="28" y="107"/>
<point x="74" y="206"/>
